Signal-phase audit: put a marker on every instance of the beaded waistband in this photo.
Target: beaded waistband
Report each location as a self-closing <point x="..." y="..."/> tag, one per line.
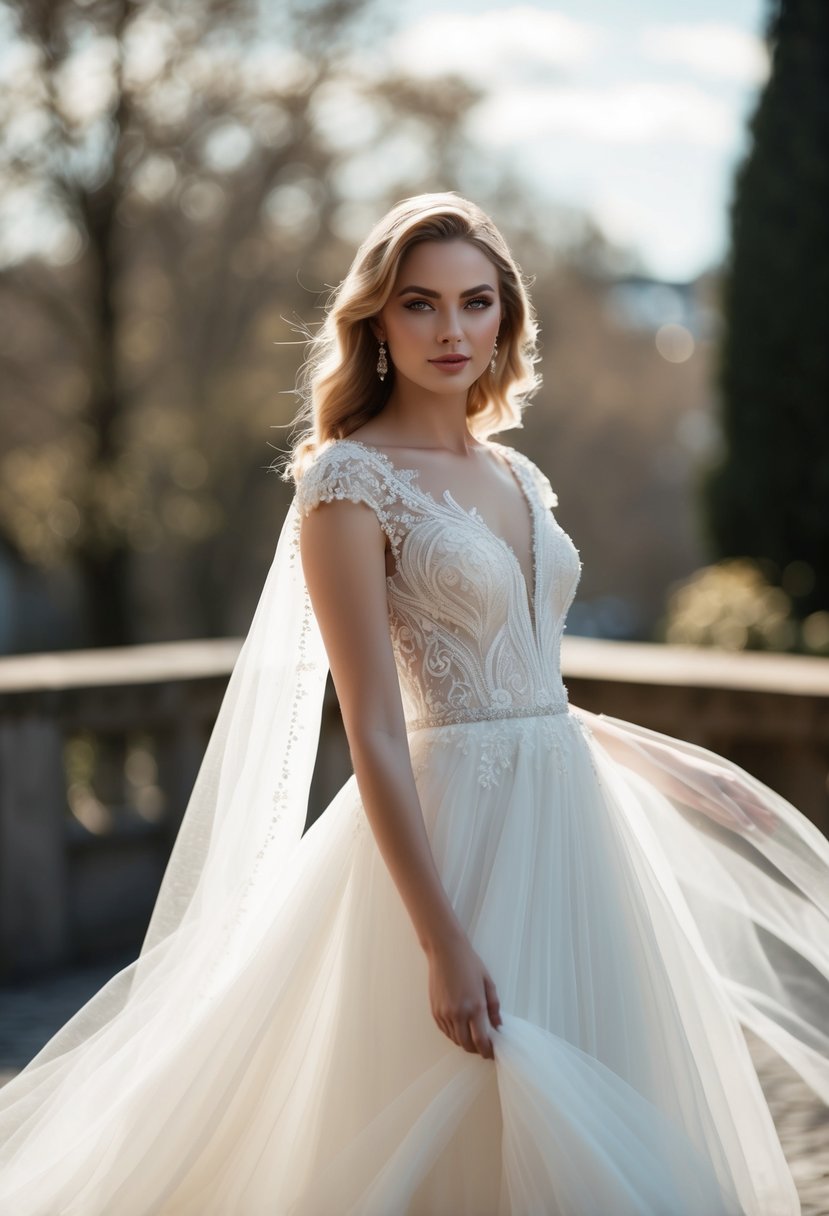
<point x="488" y="713"/>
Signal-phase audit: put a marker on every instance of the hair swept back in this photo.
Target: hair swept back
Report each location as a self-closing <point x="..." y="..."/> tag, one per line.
<point x="338" y="383"/>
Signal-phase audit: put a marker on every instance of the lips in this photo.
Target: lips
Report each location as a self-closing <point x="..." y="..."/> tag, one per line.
<point x="451" y="360"/>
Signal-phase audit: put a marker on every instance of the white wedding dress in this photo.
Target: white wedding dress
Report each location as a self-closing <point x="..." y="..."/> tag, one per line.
<point x="299" y="1072"/>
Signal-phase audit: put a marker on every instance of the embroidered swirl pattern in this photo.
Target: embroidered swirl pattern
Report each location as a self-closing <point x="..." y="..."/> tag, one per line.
<point x="471" y="641"/>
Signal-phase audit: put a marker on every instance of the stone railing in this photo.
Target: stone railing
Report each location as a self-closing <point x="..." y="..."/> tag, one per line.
<point x="767" y="712"/>
<point x="99" y="751"/>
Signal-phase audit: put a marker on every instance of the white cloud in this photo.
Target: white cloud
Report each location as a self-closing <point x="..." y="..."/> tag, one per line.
<point x="673" y="232"/>
<point x="637" y="113"/>
<point x="636" y="121"/>
<point x="712" y="49"/>
<point x="512" y="43"/>
<point x="621" y="218"/>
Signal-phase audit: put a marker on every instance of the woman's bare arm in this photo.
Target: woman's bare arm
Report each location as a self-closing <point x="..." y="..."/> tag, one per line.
<point x="721" y="795"/>
<point x="342" y="548"/>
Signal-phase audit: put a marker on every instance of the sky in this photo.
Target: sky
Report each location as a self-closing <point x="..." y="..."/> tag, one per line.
<point x="631" y="110"/>
<point x="634" y="110"/>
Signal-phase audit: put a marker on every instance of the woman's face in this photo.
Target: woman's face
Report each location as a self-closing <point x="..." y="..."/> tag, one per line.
<point x="442" y="317"/>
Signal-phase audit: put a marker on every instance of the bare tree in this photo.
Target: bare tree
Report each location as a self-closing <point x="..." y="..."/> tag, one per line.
<point x="168" y="158"/>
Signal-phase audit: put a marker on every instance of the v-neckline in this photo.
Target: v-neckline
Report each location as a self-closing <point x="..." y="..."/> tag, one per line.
<point x="530" y="593"/>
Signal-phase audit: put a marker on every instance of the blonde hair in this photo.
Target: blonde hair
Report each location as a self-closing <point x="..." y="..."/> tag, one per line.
<point x="338" y="382"/>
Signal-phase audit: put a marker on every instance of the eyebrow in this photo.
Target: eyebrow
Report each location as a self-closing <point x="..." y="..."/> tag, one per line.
<point x="435" y="295"/>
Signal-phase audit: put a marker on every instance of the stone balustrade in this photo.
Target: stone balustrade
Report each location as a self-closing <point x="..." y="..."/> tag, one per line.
<point x="99" y="750"/>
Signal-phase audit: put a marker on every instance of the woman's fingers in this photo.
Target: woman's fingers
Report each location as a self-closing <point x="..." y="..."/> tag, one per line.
<point x="470" y="1032"/>
<point x="464" y="1000"/>
<point x="733" y="805"/>
<point x="753" y="812"/>
<point x="758" y="813"/>
<point x="480" y="1037"/>
<point x="492" y="1003"/>
<point x="464" y="1036"/>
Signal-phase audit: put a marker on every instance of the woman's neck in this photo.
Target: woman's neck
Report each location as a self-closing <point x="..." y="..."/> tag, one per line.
<point x="437" y="423"/>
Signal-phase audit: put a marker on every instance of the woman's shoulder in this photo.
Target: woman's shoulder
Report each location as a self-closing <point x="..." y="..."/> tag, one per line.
<point x="530" y="470"/>
<point x="340" y="469"/>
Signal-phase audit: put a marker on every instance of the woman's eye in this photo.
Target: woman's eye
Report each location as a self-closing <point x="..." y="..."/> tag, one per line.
<point x="478" y="304"/>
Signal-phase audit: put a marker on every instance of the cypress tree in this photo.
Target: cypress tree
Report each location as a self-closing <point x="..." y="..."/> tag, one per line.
<point x="768" y="498"/>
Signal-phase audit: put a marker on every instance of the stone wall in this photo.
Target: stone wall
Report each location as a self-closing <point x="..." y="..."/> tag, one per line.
<point x="99" y="751"/>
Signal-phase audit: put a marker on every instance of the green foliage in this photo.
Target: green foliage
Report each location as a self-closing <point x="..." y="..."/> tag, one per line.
<point x="769" y="496"/>
<point x="732" y="605"/>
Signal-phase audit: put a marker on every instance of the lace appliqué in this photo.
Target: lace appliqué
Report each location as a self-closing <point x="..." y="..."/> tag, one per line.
<point x="590" y="739"/>
<point x="470" y="640"/>
<point x="335" y="474"/>
<point x="495" y="743"/>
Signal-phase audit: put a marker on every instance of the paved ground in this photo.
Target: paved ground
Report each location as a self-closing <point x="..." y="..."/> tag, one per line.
<point x="802" y="1122"/>
<point x="31" y="1013"/>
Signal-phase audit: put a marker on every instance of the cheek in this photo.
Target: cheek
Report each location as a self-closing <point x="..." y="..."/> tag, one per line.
<point x="490" y="324"/>
<point x="405" y="327"/>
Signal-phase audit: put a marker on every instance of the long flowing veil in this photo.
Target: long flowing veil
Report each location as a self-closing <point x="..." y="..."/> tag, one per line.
<point x="757" y="904"/>
<point x="243" y="821"/>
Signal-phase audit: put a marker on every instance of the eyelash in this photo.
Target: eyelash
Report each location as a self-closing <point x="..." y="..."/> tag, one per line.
<point x="412" y="306"/>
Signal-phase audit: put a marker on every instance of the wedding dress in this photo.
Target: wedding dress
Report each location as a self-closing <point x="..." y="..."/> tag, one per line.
<point x="272" y="1051"/>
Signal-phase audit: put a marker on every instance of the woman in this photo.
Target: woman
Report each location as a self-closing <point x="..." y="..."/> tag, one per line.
<point x="505" y="971"/>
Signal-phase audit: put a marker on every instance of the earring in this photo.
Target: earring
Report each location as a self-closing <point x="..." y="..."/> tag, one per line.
<point x="492" y="362"/>
<point x="382" y="362"/>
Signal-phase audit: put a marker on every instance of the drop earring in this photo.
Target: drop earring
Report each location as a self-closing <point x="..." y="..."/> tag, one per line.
<point x="382" y="361"/>
<point x="492" y="362"/>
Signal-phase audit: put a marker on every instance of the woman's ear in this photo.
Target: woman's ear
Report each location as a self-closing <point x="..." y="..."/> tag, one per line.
<point x="377" y="329"/>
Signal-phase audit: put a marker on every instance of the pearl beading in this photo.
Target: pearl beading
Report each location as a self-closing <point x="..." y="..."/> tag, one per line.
<point x="487" y="713"/>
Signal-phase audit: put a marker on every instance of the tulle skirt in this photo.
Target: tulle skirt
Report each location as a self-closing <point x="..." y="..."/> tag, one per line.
<point x="294" y="1069"/>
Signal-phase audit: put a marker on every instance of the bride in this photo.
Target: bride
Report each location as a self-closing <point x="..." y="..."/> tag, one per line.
<point x="506" y="972"/>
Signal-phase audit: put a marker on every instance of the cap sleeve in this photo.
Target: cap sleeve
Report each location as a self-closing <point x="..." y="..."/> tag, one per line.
<point x="339" y="471"/>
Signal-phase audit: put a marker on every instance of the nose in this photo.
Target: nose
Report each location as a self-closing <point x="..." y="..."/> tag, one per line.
<point x="450" y="327"/>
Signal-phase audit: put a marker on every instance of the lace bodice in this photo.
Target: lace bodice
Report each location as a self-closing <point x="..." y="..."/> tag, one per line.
<point x="470" y="639"/>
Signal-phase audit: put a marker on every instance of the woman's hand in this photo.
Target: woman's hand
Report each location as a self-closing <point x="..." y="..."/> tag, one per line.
<point x="726" y="799"/>
<point x="712" y="789"/>
<point x="463" y="997"/>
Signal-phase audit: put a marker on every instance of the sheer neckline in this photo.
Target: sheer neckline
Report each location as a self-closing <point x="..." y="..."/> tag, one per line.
<point x="410" y="477"/>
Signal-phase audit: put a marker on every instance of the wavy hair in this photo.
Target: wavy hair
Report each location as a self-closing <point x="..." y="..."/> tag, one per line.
<point x="338" y="383"/>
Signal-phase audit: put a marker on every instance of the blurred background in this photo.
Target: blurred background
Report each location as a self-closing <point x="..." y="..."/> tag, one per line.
<point x="182" y="182"/>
